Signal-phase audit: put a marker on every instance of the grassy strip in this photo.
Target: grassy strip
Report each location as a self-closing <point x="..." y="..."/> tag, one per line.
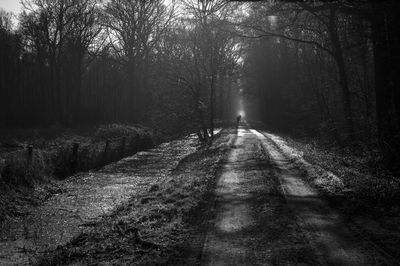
<point x="163" y="226"/>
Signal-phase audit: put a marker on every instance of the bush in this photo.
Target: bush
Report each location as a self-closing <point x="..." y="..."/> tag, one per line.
<point x="19" y="169"/>
<point x="113" y="131"/>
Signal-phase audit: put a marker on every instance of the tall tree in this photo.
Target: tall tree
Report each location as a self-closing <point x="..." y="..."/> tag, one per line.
<point x="85" y="30"/>
<point x="134" y="27"/>
<point x="385" y="17"/>
<point x="211" y="44"/>
<point x="313" y="23"/>
<point x="47" y="24"/>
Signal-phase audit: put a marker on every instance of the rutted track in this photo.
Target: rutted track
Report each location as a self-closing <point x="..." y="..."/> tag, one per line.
<point x="253" y="225"/>
<point x="244" y="235"/>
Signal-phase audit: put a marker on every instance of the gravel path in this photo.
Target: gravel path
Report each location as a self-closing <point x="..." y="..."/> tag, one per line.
<point x="253" y="226"/>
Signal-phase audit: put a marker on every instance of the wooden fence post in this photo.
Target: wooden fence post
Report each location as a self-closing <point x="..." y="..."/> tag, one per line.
<point x="74" y="160"/>
<point x="138" y="143"/>
<point x="122" y="149"/>
<point x="133" y="144"/>
<point x="106" y="148"/>
<point x="29" y="155"/>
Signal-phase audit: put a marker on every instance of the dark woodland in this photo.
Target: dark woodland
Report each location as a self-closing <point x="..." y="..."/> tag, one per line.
<point x="178" y="88"/>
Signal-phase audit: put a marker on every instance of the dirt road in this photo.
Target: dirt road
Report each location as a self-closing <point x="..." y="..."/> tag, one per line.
<point x="267" y="215"/>
<point x="264" y="213"/>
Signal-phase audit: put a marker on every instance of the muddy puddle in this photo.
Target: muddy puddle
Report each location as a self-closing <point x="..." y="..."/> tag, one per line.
<point x="85" y="198"/>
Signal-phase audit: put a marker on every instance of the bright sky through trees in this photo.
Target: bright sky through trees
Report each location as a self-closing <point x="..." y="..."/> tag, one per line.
<point x="15" y="5"/>
<point x="11" y="5"/>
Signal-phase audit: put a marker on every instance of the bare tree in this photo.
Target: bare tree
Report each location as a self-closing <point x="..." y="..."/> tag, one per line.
<point x="134" y="27"/>
<point x="85" y="29"/>
<point x="6" y="20"/>
<point x="211" y="44"/>
<point x="313" y="23"/>
<point x="47" y="25"/>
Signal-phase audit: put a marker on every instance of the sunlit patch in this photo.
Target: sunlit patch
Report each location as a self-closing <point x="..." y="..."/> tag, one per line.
<point x="235" y="218"/>
<point x="273" y="21"/>
<point x="230" y="178"/>
<point x="242" y="113"/>
<point x="241" y="132"/>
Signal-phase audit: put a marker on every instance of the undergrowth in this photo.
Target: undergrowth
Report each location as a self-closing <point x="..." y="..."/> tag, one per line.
<point x="365" y="178"/>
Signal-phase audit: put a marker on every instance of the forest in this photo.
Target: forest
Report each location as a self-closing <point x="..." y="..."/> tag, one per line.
<point x="325" y="72"/>
<point x="318" y="69"/>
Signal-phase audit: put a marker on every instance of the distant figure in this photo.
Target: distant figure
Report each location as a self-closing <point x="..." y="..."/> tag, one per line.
<point x="238" y="120"/>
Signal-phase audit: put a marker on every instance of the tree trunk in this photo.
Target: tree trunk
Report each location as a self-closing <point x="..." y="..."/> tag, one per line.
<point x="132" y="91"/>
<point x="212" y="106"/>
<point x="204" y="137"/>
<point x="343" y="80"/>
<point x="385" y="35"/>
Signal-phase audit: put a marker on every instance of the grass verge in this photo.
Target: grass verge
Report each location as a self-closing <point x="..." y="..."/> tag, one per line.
<point x="163" y="227"/>
<point x="366" y="193"/>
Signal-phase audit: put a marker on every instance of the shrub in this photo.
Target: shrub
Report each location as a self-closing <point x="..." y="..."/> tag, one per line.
<point x="18" y="169"/>
<point x="112" y="131"/>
